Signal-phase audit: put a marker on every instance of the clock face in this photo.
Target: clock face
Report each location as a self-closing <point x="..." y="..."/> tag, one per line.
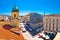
<point x="15" y="21"/>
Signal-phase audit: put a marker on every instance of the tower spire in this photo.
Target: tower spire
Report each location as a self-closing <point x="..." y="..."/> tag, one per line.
<point x="15" y="8"/>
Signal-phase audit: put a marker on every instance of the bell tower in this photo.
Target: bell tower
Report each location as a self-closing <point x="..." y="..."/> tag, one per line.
<point x="15" y="13"/>
<point x="15" y="17"/>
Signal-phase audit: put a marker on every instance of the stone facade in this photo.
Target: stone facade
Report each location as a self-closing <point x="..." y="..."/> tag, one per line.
<point x="52" y="23"/>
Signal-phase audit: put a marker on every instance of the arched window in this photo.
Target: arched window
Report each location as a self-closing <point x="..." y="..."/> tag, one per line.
<point x="14" y="15"/>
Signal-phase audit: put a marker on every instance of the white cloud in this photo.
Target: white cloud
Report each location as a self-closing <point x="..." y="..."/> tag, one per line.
<point x="25" y="12"/>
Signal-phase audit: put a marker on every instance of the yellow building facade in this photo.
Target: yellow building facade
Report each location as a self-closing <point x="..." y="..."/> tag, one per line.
<point x="15" y="17"/>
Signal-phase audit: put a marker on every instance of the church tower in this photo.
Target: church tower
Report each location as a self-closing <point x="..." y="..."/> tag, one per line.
<point x="15" y="17"/>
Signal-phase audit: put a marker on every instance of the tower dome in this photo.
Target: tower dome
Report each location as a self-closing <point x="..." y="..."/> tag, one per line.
<point x="15" y="9"/>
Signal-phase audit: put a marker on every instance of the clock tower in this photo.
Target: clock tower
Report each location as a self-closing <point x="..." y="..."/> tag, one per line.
<point x="15" y="17"/>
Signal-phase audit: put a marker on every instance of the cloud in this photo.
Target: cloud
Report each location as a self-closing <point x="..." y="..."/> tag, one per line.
<point x="25" y="12"/>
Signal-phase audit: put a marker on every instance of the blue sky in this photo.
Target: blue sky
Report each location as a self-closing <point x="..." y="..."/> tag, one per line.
<point x="26" y="6"/>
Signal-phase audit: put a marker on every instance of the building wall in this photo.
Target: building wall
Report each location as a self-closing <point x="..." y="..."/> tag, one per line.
<point x="33" y="18"/>
<point x="15" y="22"/>
<point x="26" y="18"/>
<point x="51" y="23"/>
<point x="36" y="18"/>
<point x="15" y="14"/>
<point x="0" y="18"/>
<point x="15" y="19"/>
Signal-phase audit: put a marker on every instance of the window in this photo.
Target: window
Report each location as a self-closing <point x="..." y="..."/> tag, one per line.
<point x="50" y="20"/>
<point x="49" y="26"/>
<point x="14" y="15"/>
<point x="53" y="20"/>
<point x="46" y="25"/>
<point x="57" y="20"/>
<point x="57" y="27"/>
<point x="53" y="26"/>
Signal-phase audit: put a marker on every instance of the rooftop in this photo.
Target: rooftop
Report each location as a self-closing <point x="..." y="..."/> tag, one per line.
<point x="15" y="9"/>
<point x="53" y="15"/>
<point x="7" y="35"/>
